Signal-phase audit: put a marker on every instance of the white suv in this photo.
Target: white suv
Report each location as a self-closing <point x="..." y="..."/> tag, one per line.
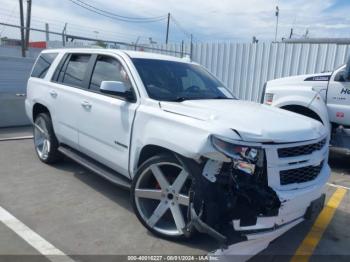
<point x="194" y="156"/>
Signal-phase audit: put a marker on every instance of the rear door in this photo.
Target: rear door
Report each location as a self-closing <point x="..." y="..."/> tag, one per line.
<point x="69" y="83"/>
<point x="338" y="98"/>
<point x="105" y="121"/>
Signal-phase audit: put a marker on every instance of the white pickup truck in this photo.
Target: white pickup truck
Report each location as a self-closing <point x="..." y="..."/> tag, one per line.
<point x="194" y="157"/>
<point x="324" y="97"/>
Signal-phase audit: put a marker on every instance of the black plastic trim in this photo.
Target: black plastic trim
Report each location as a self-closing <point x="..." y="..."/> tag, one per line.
<point x="96" y="167"/>
<point x="322" y="78"/>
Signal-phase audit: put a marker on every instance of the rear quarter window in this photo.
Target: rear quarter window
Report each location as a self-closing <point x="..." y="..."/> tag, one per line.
<point x="43" y="64"/>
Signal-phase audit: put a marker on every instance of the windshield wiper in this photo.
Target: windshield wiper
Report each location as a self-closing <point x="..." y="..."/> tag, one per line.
<point x="221" y="97"/>
<point x="180" y="99"/>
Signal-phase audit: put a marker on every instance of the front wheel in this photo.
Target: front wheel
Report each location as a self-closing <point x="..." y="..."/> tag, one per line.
<point x="160" y="196"/>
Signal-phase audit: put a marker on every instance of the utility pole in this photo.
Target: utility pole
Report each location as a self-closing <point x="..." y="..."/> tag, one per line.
<point x="22" y="27"/>
<point x="191" y="46"/>
<point x="182" y="48"/>
<point x="291" y="33"/>
<point x="136" y="42"/>
<point x="47" y="30"/>
<point x="63" y="33"/>
<point x="277" y="15"/>
<point x="29" y="12"/>
<point x="167" y="29"/>
<point x="96" y="34"/>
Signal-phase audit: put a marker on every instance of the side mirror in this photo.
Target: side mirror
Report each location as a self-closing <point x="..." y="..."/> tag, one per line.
<point x="116" y="88"/>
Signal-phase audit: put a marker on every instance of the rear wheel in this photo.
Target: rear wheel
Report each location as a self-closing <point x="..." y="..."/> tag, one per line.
<point x="160" y="196"/>
<point x="45" y="141"/>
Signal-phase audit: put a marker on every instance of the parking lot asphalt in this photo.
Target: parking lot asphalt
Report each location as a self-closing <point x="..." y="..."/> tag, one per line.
<point x="80" y="213"/>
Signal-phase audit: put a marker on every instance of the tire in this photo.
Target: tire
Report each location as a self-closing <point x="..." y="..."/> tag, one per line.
<point x="45" y="141"/>
<point x="160" y="196"/>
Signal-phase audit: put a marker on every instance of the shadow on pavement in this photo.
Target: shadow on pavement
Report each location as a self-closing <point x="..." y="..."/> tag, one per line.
<point x="339" y="161"/>
<point x="122" y="198"/>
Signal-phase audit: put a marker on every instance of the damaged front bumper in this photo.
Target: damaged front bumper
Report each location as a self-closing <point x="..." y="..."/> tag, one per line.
<point x="254" y="243"/>
<point x="237" y="207"/>
<point x="296" y="207"/>
<point x="294" y="204"/>
<point x="258" y="241"/>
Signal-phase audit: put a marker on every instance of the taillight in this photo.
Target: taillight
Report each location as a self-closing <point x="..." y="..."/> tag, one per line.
<point x="268" y="99"/>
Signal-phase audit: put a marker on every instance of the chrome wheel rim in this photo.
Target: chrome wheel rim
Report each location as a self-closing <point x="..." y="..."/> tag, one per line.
<point x="162" y="197"/>
<point x="41" y="138"/>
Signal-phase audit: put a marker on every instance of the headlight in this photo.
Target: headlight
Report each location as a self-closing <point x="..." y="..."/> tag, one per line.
<point x="268" y="99"/>
<point x="245" y="158"/>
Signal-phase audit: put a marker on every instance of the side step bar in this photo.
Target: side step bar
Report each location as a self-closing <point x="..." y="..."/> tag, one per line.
<point x="96" y="167"/>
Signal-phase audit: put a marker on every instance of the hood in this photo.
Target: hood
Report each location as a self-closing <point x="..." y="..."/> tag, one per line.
<point x="254" y="122"/>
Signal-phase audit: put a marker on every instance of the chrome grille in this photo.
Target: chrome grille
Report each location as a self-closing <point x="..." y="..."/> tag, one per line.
<point x="301" y="150"/>
<point x="300" y="175"/>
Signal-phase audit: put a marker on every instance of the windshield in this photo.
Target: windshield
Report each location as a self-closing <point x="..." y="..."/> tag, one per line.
<point x="176" y="81"/>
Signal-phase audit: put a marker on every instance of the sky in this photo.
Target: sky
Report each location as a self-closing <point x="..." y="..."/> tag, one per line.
<point x="207" y="20"/>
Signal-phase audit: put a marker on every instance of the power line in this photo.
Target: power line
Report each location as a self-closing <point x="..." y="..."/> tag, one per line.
<point x="132" y="19"/>
<point x="114" y="16"/>
<point x="8" y="18"/>
<point x="99" y="11"/>
<point x="58" y="25"/>
<point x="121" y="16"/>
<point x="92" y="39"/>
<point x="185" y="32"/>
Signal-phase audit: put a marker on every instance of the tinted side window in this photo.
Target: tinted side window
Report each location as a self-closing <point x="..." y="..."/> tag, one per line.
<point x="75" y="71"/>
<point x="108" y="69"/>
<point x="342" y="76"/>
<point x="43" y="64"/>
<point x="60" y="69"/>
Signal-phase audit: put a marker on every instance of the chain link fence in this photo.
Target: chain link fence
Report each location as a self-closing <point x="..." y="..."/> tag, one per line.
<point x="242" y="67"/>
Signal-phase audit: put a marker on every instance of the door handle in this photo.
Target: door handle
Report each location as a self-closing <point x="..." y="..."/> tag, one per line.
<point x="86" y="104"/>
<point x="20" y="95"/>
<point x="53" y="93"/>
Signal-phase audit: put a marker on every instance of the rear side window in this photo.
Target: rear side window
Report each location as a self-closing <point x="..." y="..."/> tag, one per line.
<point x="75" y="70"/>
<point x="43" y="64"/>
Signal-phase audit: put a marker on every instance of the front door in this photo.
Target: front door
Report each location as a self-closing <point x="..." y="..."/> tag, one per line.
<point x="105" y="121"/>
<point x="338" y="98"/>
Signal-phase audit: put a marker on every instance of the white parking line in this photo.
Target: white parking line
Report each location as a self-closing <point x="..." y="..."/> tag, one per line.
<point x="338" y="186"/>
<point x="32" y="238"/>
<point x="16" y="138"/>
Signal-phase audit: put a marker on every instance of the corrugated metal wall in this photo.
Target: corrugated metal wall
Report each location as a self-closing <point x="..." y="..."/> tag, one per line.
<point x="14" y="73"/>
<point x="244" y="68"/>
